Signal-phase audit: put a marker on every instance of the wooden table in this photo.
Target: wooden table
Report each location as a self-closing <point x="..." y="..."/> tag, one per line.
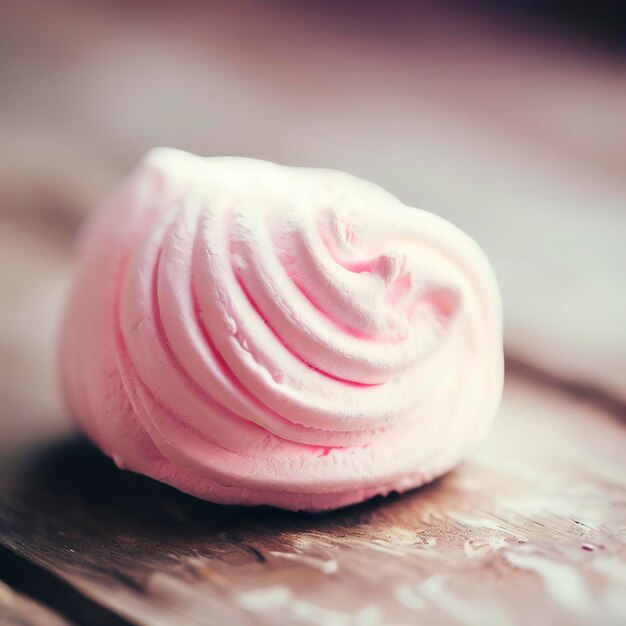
<point x="531" y="529"/>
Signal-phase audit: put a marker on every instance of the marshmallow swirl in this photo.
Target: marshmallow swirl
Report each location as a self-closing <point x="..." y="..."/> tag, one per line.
<point x="257" y="334"/>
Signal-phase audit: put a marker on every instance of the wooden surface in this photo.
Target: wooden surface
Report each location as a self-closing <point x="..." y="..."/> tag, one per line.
<point x="531" y="529"/>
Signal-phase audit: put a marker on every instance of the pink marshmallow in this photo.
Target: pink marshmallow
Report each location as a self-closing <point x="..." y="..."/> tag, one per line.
<point x="258" y="334"/>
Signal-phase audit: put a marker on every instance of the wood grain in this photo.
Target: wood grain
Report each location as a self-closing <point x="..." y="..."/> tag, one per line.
<point x="531" y="530"/>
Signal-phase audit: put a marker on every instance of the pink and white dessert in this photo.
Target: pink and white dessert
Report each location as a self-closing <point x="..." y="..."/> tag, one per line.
<point x="258" y="334"/>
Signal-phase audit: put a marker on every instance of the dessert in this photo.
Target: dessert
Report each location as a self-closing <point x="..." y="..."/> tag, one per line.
<point x="252" y="333"/>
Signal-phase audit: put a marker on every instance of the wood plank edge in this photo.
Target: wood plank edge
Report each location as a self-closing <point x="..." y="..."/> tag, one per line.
<point x="28" y="578"/>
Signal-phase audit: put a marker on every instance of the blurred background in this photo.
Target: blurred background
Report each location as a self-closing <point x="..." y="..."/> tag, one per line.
<point x="507" y="118"/>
